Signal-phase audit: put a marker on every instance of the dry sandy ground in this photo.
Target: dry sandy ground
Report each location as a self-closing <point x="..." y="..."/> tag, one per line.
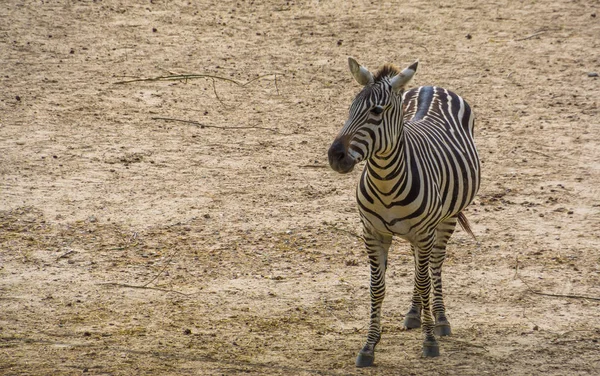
<point x="137" y="246"/>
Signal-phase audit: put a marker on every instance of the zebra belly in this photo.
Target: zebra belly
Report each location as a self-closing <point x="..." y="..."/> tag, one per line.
<point x="386" y="222"/>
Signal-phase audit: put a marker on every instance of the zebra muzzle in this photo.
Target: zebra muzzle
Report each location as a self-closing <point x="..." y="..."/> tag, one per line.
<point x="339" y="159"/>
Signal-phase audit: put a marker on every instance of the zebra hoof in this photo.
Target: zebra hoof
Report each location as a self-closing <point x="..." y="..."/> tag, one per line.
<point x="365" y="359"/>
<point x="442" y="329"/>
<point x="431" y="349"/>
<point x="412" y="321"/>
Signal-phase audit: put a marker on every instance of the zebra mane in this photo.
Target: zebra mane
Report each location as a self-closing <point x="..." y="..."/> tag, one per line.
<point x="388" y="70"/>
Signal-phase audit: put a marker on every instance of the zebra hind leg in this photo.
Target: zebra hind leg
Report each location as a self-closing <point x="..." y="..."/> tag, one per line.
<point x="424" y="286"/>
<point x="443" y="233"/>
<point x="412" y="319"/>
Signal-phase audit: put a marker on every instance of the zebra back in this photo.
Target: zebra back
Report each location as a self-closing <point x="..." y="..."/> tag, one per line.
<point x="444" y="121"/>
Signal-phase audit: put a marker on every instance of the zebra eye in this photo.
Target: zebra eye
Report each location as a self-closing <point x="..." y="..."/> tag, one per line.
<point x="377" y="110"/>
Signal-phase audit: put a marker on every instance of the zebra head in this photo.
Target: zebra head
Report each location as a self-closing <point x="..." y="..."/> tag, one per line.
<point x="375" y="118"/>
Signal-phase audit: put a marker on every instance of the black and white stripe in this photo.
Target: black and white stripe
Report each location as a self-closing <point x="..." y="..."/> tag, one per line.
<point x="422" y="170"/>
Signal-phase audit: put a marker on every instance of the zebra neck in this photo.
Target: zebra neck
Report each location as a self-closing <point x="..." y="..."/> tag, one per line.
<point x="389" y="166"/>
<point x="388" y="161"/>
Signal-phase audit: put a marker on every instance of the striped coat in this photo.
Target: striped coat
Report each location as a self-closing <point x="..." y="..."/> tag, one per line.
<point x="434" y="174"/>
<point x="422" y="170"/>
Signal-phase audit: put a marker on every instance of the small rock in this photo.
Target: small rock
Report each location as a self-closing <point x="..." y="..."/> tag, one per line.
<point x="187" y="332"/>
<point x="592" y="74"/>
<point x="469" y="36"/>
<point x="351" y="263"/>
<point x="92" y="219"/>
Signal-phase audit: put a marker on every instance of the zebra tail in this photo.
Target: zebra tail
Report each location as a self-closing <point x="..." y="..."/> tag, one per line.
<point x="464" y="223"/>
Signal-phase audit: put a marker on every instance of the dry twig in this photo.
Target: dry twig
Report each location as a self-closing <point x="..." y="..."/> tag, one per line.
<point x="145" y="285"/>
<point x="539" y="32"/>
<point x="537" y="152"/>
<point x="65" y="255"/>
<point x="162" y="270"/>
<point x="531" y="36"/>
<point x="141" y="287"/>
<point x="313" y="166"/>
<point x="212" y="126"/>
<point x="416" y="44"/>
<point x="569" y="296"/>
<point x="215" y="91"/>
<point x="557" y="295"/>
<point x="262" y="76"/>
<point x="180" y="77"/>
<point x="186" y="77"/>
<point x="276" y="87"/>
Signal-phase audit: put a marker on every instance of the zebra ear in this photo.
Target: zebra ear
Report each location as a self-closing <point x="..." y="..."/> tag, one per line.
<point x="400" y="80"/>
<point x="360" y="73"/>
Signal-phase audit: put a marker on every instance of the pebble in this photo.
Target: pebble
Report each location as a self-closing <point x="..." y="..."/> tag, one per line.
<point x="592" y="74"/>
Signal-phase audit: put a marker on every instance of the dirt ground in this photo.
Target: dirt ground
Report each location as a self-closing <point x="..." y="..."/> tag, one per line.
<point x="135" y="245"/>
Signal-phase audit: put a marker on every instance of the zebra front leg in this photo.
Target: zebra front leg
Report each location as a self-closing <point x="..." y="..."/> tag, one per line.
<point x="423" y="286"/>
<point x="443" y="233"/>
<point x="377" y="248"/>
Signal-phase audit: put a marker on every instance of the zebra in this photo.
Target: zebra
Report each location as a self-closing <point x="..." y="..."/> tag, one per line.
<point x="422" y="169"/>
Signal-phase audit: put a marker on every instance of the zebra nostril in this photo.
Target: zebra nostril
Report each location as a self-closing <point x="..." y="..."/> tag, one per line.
<point x="336" y="152"/>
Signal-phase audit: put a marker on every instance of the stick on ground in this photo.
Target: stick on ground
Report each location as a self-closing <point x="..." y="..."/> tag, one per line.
<point x="212" y="126"/>
<point x="556" y="295"/>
